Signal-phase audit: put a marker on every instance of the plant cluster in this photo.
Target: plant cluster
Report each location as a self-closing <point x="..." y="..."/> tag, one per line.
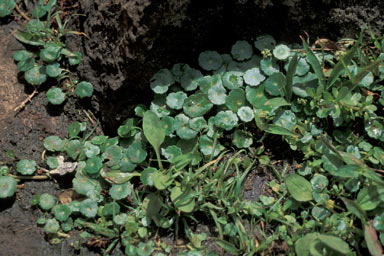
<point x="188" y="154"/>
<point x="47" y="56"/>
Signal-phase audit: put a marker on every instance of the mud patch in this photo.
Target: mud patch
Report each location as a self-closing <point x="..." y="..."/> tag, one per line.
<point x="11" y="91"/>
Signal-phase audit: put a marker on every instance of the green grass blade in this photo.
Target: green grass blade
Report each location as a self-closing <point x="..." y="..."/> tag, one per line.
<point x="351" y="84"/>
<point x="312" y="59"/>
<point x="290" y="74"/>
<point x="339" y="67"/>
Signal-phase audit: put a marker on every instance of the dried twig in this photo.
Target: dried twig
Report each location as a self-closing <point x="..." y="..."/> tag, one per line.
<point x="22" y="104"/>
<point x="17" y="7"/>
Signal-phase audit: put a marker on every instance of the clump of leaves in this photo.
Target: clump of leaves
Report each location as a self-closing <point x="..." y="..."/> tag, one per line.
<point x="190" y="151"/>
<point x="46" y="56"/>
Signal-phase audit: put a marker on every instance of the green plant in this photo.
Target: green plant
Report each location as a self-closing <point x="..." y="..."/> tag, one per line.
<point x="6" y="7"/>
<point x="190" y="152"/>
<point x="7" y="186"/>
<point x="52" y="59"/>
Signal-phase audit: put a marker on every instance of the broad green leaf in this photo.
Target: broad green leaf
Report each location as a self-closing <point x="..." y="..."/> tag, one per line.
<point x="152" y="206"/>
<point x="335" y="243"/>
<point x="299" y="188"/>
<point x="369" y="197"/>
<point x="118" y="177"/>
<point x="354" y="208"/>
<point x="27" y="38"/>
<point x="229" y="247"/>
<point x="160" y="180"/>
<point x="303" y="243"/>
<point x="181" y="200"/>
<point x="154" y="131"/>
<point x="277" y="129"/>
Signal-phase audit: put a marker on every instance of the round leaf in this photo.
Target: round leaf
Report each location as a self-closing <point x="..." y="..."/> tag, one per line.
<point x="120" y="191"/>
<point x="88" y="208"/>
<point x="136" y="153"/>
<point x="22" y="55"/>
<point x="125" y="163"/>
<point x="242" y="50"/>
<point x="246" y="114"/>
<point x="233" y="80"/>
<point x="168" y="124"/>
<point x="256" y="97"/>
<point x="55" y="96"/>
<point x="269" y="66"/>
<point x="208" y="81"/>
<point x="53" y="70"/>
<point x="51" y="226"/>
<point x="6" y="7"/>
<point x="184" y="205"/>
<point x="84" y="89"/>
<point x="53" y="143"/>
<point x="197" y="123"/>
<point x="265" y="42"/>
<point x="275" y="83"/>
<point x="50" y="53"/>
<point x="190" y="79"/>
<point x="113" y="155"/>
<point x="197" y="105"/>
<point x="210" y="60"/>
<point x="47" y="201"/>
<point x="235" y="100"/>
<point x="93" y="166"/>
<point x="319" y="183"/>
<point x="61" y="212"/>
<point x="281" y="52"/>
<point x="226" y="120"/>
<point x="175" y="100"/>
<point x="35" y="76"/>
<point x="172" y="152"/>
<point x="286" y="119"/>
<point x="241" y="140"/>
<point x="159" y="106"/>
<point x="75" y="58"/>
<point x="216" y="95"/>
<point x="182" y="127"/>
<point x="26" y="167"/>
<point x="253" y="77"/>
<point x="7" y="186"/>
<point x="161" y="81"/>
<point x="206" y="146"/>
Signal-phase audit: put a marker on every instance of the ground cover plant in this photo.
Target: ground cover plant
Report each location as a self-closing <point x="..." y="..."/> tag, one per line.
<point x="186" y="156"/>
<point x="47" y="57"/>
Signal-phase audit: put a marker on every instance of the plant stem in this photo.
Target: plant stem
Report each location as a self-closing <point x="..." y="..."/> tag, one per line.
<point x="36" y="177"/>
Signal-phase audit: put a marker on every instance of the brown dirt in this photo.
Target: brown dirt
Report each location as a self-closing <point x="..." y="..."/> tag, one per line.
<point x="11" y="91"/>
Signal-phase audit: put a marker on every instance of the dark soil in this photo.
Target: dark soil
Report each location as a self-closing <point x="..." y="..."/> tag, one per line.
<point x="128" y="41"/>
